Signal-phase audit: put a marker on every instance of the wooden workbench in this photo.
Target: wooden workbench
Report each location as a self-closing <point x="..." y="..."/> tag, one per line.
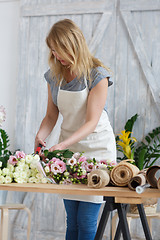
<point x="115" y="197"/>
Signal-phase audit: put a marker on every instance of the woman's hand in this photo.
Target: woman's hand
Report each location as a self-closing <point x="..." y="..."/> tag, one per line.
<point x="59" y="146"/>
<point x="38" y="141"/>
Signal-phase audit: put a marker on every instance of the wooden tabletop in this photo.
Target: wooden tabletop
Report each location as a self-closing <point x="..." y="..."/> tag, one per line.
<point x="121" y="194"/>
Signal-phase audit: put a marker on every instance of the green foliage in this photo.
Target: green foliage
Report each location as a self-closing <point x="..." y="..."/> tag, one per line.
<point x="58" y="154"/>
<point x="4" y="144"/>
<point x="147" y="152"/>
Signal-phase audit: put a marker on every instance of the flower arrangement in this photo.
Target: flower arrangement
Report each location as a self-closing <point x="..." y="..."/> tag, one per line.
<point x="144" y="153"/>
<point x="59" y="166"/>
<point x="22" y="168"/>
<point x="65" y="167"/>
<point x="4" y="141"/>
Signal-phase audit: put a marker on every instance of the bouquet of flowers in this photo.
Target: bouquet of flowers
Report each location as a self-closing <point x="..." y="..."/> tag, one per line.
<point x="66" y="167"/>
<point x="22" y="168"/>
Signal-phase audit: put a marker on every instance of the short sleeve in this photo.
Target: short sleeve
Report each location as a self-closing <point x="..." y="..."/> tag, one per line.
<point x="48" y="77"/>
<point x="53" y="86"/>
<point x="99" y="73"/>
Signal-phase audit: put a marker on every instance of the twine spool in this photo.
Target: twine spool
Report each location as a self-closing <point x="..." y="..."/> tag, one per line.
<point x="151" y="176"/>
<point x="122" y="173"/>
<point x="138" y="180"/>
<point x="98" y="178"/>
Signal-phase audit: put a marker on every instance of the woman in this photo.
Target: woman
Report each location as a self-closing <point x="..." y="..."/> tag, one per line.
<point x="77" y="88"/>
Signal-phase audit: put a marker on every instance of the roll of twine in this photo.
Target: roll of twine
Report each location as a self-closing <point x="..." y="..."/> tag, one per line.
<point x="138" y="180"/>
<point x="122" y="173"/>
<point x="151" y="176"/>
<point x="98" y="178"/>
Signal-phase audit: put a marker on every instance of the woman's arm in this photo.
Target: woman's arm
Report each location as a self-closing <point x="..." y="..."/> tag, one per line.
<point x="48" y="122"/>
<point x="95" y="105"/>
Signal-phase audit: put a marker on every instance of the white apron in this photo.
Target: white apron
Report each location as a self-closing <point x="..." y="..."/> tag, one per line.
<point x="99" y="144"/>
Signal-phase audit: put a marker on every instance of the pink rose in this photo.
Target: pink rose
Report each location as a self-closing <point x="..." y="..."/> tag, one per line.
<point x="12" y="160"/>
<point x="61" y="164"/>
<point x="20" y="154"/>
<point x="82" y="159"/>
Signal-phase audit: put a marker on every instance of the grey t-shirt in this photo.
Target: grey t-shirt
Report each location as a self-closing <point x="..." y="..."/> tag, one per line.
<point x="97" y="74"/>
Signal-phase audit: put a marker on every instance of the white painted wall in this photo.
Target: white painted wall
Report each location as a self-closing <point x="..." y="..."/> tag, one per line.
<point x="9" y="40"/>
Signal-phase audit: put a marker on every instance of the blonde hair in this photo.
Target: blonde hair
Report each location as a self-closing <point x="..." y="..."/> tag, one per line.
<point x="69" y="42"/>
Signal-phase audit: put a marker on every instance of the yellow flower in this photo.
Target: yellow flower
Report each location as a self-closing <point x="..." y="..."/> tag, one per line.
<point x="125" y="143"/>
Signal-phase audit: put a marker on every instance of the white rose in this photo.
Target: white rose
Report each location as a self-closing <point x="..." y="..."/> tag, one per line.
<point x="0" y="164"/>
<point x="39" y="176"/>
<point x="8" y="179"/>
<point x="44" y="180"/>
<point x="46" y="169"/>
<point x="16" y="174"/>
<point x="2" y="179"/>
<point x="31" y="179"/>
<point x="19" y="180"/>
<point x="5" y="171"/>
<point x="36" y="158"/>
<point x="10" y="167"/>
<point x="23" y="174"/>
<point x="28" y="158"/>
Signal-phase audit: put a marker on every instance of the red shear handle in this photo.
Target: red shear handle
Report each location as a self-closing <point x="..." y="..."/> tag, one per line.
<point x="38" y="149"/>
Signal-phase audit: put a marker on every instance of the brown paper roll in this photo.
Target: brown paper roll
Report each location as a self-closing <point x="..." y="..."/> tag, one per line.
<point x="138" y="180"/>
<point x="98" y="178"/>
<point x="122" y="173"/>
<point x="150" y="176"/>
<point x="158" y="183"/>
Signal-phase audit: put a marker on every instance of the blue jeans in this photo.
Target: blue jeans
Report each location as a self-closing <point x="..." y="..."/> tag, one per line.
<point x="81" y="219"/>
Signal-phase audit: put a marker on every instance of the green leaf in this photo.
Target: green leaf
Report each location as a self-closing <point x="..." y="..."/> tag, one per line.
<point x="141" y="158"/>
<point x="129" y="124"/>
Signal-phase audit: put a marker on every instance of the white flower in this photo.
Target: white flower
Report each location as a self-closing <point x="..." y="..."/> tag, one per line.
<point x="36" y="158"/>
<point x="10" y="167"/>
<point x="0" y="164"/>
<point x="0" y="171"/>
<point x="37" y="180"/>
<point x="72" y="161"/>
<point x="22" y="160"/>
<point x="19" y="169"/>
<point x="8" y="179"/>
<point x="83" y="172"/>
<point x="5" y="171"/>
<point x="66" y="174"/>
<point x="33" y="165"/>
<point x="23" y="174"/>
<point x="39" y="176"/>
<point x="28" y="158"/>
<point x="16" y="174"/>
<point x="19" y="180"/>
<point x="44" y="180"/>
<point x="2" y="179"/>
<point x="46" y="169"/>
<point x="2" y="115"/>
<point x="31" y="180"/>
<point x="55" y="168"/>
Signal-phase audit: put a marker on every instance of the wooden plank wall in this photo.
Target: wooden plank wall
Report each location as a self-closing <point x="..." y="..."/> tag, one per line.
<point x="125" y="35"/>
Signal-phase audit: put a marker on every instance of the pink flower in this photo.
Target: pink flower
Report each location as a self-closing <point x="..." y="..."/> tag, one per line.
<point x="53" y="160"/>
<point x="55" y="168"/>
<point x="82" y="159"/>
<point x="20" y="154"/>
<point x="78" y="177"/>
<point x="89" y="167"/>
<point x="104" y="162"/>
<point x="12" y="160"/>
<point x="61" y="164"/>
